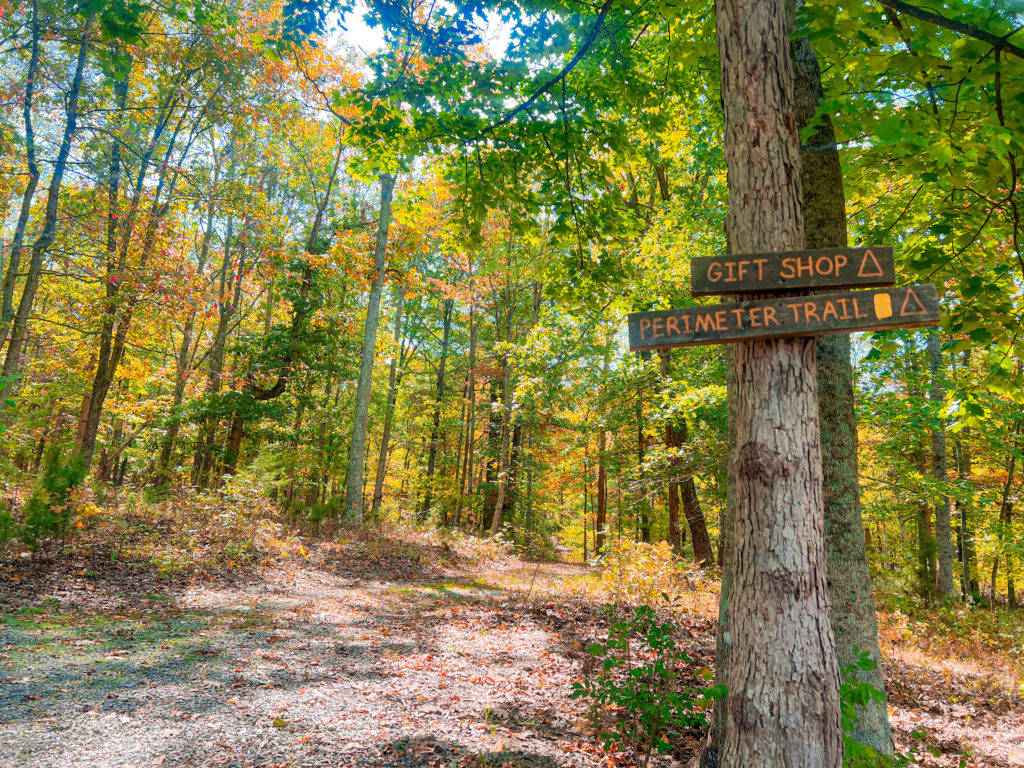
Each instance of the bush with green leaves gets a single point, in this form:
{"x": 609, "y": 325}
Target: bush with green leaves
{"x": 48, "y": 510}
{"x": 854, "y": 693}
{"x": 643, "y": 679}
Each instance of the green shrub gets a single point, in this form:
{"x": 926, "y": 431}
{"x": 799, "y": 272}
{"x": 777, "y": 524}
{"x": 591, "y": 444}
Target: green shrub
{"x": 642, "y": 680}
{"x": 48, "y": 510}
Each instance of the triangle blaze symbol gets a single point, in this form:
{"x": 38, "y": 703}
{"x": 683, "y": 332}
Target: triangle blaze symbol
{"x": 912, "y": 308}
{"x": 869, "y": 266}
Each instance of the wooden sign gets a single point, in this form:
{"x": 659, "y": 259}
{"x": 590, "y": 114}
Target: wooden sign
{"x": 903, "y": 307}
{"x": 821, "y": 268}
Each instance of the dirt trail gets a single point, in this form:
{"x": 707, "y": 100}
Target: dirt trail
{"x": 340, "y": 661}
{"x": 302, "y": 668}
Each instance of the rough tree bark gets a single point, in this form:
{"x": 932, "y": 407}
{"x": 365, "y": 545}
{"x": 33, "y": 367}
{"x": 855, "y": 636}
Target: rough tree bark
{"x": 854, "y": 622}
{"x": 357, "y": 446}
{"x": 783, "y": 702}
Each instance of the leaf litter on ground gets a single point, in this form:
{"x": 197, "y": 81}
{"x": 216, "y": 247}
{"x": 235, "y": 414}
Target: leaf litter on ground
{"x": 371, "y": 651}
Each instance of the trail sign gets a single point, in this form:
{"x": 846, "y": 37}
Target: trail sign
{"x": 902, "y": 307}
{"x": 821, "y": 268}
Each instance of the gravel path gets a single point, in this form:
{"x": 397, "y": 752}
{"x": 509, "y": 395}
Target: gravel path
{"x": 303, "y": 668}
{"x": 348, "y": 660}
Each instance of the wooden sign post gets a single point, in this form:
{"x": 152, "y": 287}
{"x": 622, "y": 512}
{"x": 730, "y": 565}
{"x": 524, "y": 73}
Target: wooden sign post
{"x": 822, "y": 268}
{"x": 910, "y": 306}
{"x": 904, "y": 307}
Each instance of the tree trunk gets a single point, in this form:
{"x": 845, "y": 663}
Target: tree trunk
{"x": 672, "y": 444}
{"x": 854, "y": 622}
{"x": 703, "y": 554}
{"x": 968, "y": 556}
{"x": 926, "y": 570}
{"x": 19, "y": 332}
{"x": 14, "y": 261}
{"x": 645, "y": 517}
{"x": 1005, "y": 518}
{"x": 389, "y": 412}
{"x": 944, "y": 550}
{"x": 505, "y": 430}
{"x": 489, "y": 467}
{"x": 783, "y": 702}
{"x": 601, "y": 520}
{"x": 683, "y": 488}
{"x": 228, "y": 301}
{"x": 234, "y": 446}
{"x": 117, "y": 320}
{"x": 108, "y": 466}
{"x": 602, "y": 460}
{"x": 185, "y": 350}
{"x": 357, "y": 446}
{"x": 435, "y": 429}
{"x": 467, "y": 473}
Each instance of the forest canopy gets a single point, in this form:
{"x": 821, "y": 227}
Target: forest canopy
{"x": 334, "y": 264}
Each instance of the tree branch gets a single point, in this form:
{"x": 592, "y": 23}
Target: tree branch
{"x": 999, "y": 43}
{"x": 589, "y": 41}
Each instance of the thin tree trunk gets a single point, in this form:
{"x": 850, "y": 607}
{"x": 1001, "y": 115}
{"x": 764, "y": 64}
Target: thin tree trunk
{"x": 460, "y": 464}
{"x": 117, "y": 321}
{"x": 14, "y": 261}
{"x": 645, "y": 515}
{"x": 601, "y": 519}
{"x": 1005, "y": 518}
{"x": 185, "y": 350}
{"x": 703, "y": 553}
{"x": 783, "y": 679}
{"x": 586, "y": 520}
{"x": 673, "y": 443}
{"x": 969, "y": 557}
{"x": 435, "y": 429}
{"x": 389, "y": 412}
{"x": 467, "y": 473}
{"x": 357, "y": 445}
{"x": 944, "y": 549}
{"x": 506, "y": 429}
{"x": 853, "y": 618}
{"x": 602, "y": 458}
{"x": 19, "y": 332}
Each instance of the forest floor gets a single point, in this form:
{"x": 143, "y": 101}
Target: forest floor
{"x": 372, "y": 652}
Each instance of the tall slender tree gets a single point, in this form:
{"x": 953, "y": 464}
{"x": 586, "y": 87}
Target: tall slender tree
{"x": 360, "y": 420}
{"x": 849, "y": 579}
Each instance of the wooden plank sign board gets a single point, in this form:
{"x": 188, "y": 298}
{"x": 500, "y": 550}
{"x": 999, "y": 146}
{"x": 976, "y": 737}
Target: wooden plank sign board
{"x": 903, "y": 307}
{"x": 820, "y": 268}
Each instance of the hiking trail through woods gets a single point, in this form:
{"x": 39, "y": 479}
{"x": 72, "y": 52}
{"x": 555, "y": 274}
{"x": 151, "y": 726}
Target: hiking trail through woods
{"x": 356, "y": 656}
